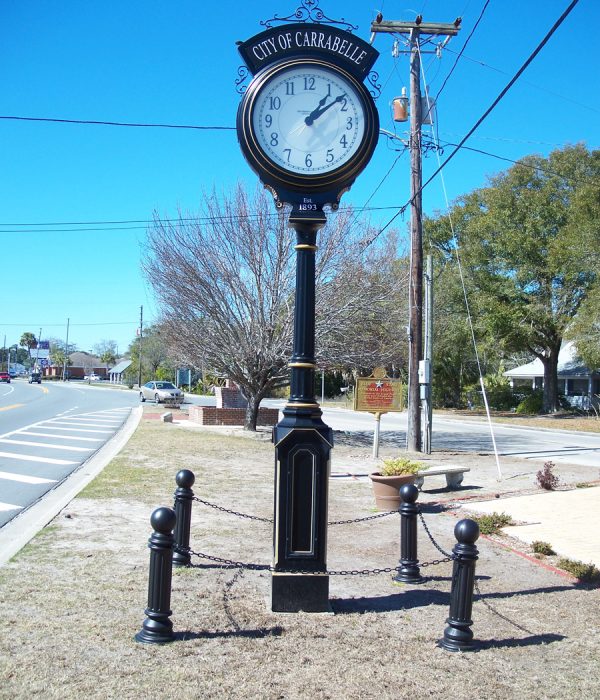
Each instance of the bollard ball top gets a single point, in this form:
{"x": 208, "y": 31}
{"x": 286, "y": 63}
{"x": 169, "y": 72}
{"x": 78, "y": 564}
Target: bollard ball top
{"x": 163, "y": 520}
{"x": 185, "y": 479}
{"x": 409, "y": 493}
{"x": 466, "y": 531}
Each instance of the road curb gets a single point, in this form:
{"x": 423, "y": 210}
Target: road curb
{"x": 25, "y": 526}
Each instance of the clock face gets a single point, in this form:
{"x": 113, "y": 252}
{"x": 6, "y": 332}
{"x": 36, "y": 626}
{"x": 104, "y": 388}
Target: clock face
{"x": 308, "y": 119}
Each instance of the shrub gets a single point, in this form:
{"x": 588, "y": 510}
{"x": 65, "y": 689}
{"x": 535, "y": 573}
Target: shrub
{"x": 396, "y": 466}
{"x": 587, "y": 573}
{"x": 546, "y": 478}
{"x": 540, "y": 547}
{"x": 532, "y": 403}
{"x": 491, "y": 524}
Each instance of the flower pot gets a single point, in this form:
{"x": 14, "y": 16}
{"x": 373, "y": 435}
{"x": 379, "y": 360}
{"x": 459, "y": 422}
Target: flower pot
{"x": 386, "y": 489}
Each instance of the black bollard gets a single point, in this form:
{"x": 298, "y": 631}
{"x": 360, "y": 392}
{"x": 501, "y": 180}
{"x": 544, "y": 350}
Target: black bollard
{"x": 157, "y": 628}
{"x": 184, "y": 497}
{"x": 409, "y": 563}
{"x": 458, "y": 635}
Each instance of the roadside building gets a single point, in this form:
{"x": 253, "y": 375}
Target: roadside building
{"x": 577, "y": 383}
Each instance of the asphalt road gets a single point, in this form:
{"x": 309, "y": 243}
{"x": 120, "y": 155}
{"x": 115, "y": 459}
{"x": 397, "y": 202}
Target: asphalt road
{"x": 48, "y": 431}
{"x": 470, "y": 435}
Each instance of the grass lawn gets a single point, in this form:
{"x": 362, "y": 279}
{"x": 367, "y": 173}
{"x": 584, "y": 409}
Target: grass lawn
{"x": 72, "y": 600}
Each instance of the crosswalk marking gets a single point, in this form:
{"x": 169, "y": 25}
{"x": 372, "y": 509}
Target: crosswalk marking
{"x": 96, "y": 421}
{"x": 31, "y": 458}
{"x": 60, "y": 437}
{"x": 91, "y": 425}
{"x": 9, "y": 506}
{"x": 31, "y": 443}
{"x": 24, "y": 479}
{"x": 76, "y": 430}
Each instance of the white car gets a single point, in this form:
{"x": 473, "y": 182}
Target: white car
{"x": 92, "y": 377}
{"x": 161, "y": 391}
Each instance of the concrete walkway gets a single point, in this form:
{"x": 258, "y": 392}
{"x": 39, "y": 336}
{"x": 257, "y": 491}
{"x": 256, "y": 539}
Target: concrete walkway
{"x": 568, "y": 520}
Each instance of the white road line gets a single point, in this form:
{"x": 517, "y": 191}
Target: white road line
{"x": 112, "y": 421}
{"x": 9, "y": 506}
{"x": 74, "y": 430}
{"x": 91, "y": 425}
{"x": 60, "y": 437}
{"x": 31, "y": 443}
{"x": 31, "y": 458}
{"x": 24, "y": 479}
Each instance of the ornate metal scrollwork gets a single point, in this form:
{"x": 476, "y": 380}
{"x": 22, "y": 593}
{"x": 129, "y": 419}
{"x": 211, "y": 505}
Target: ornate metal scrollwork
{"x": 309, "y": 11}
{"x": 375, "y": 88}
{"x": 243, "y": 73}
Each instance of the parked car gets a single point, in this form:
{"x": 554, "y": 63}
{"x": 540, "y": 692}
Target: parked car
{"x": 12, "y": 373}
{"x": 92, "y": 377}
{"x": 35, "y": 378}
{"x": 161, "y": 391}
{"x": 5, "y": 377}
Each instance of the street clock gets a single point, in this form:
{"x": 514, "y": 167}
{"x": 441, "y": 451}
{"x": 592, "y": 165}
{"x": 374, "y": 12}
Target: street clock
{"x": 307, "y": 125}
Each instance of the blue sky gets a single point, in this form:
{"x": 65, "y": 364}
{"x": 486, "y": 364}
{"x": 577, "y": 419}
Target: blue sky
{"x": 176, "y": 63}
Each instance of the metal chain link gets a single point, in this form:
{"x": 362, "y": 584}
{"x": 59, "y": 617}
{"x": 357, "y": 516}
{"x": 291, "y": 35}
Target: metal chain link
{"x": 270, "y": 520}
{"x": 233, "y": 512}
{"x": 231, "y": 563}
{"x": 449, "y": 557}
{"x": 362, "y": 520}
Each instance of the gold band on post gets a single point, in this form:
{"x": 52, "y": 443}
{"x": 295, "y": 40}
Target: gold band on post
{"x": 305, "y": 246}
{"x": 309, "y": 365}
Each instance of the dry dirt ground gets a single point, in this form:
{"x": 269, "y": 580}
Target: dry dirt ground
{"x": 72, "y": 600}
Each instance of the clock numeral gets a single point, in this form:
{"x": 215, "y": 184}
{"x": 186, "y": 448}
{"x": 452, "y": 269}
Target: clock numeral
{"x": 289, "y": 153}
{"x": 329, "y": 157}
{"x": 268, "y": 120}
{"x": 274, "y": 102}
{"x": 344, "y": 141}
{"x": 308, "y": 160}
{"x": 289, "y": 88}
{"x": 309, "y": 82}
{"x": 349, "y": 124}
{"x": 328, "y": 90}
{"x": 344, "y": 107}
{"x": 274, "y": 139}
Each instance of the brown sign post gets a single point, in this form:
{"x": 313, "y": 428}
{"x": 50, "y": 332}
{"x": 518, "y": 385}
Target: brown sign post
{"x": 378, "y": 394}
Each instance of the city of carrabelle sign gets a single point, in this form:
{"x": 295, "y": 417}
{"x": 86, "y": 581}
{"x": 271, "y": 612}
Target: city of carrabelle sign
{"x": 378, "y": 393}
{"x": 291, "y": 40}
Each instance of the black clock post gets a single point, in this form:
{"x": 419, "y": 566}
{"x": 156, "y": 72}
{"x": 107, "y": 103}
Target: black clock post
{"x": 302, "y": 450}
{"x": 307, "y": 126}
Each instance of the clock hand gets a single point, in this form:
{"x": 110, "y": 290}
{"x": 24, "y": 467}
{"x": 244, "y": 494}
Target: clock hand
{"x": 316, "y": 113}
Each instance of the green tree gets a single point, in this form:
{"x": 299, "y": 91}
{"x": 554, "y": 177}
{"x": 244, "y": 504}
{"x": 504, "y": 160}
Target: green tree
{"x": 28, "y": 341}
{"x": 527, "y": 263}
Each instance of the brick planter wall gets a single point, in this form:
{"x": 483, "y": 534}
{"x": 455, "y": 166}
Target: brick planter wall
{"x": 210, "y": 415}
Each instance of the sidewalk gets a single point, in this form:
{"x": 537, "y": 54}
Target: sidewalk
{"x": 568, "y": 520}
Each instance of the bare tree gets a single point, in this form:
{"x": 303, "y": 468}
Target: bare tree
{"x": 225, "y": 284}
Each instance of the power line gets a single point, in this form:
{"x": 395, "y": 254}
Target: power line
{"x": 487, "y": 112}
{"x": 464, "y": 46}
{"x": 96, "y": 122}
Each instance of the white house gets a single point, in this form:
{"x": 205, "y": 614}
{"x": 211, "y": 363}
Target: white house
{"x": 579, "y": 384}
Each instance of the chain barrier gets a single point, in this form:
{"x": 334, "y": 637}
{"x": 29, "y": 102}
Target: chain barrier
{"x": 233, "y": 512}
{"x": 270, "y": 520}
{"x": 233, "y": 564}
{"x": 449, "y": 557}
{"x": 493, "y": 610}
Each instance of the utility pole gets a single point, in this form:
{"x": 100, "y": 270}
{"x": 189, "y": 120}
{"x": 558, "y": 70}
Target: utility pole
{"x": 140, "y": 357}
{"x": 415, "y": 328}
{"x": 66, "y": 353}
{"x": 428, "y": 354}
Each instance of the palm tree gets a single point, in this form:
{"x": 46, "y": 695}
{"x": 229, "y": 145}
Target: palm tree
{"x": 28, "y": 341}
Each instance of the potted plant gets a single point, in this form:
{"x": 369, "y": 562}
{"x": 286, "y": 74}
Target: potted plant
{"x": 394, "y": 473}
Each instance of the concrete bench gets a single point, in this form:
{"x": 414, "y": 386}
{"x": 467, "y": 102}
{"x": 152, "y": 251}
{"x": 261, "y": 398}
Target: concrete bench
{"x": 454, "y": 475}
